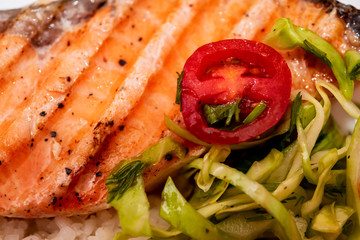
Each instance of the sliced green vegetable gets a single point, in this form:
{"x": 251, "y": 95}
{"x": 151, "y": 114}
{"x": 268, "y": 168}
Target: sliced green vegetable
{"x": 217, "y": 153}
{"x": 305, "y": 156}
{"x": 312, "y": 131}
{"x": 184, "y": 133}
{"x": 281, "y": 172}
{"x": 352, "y": 59}
{"x": 285, "y": 36}
{"x": 325, "y": 165}
{"x": 217, "y": 113}
{"x": 353, "y": 180}
{"x": 295, "y": 109}
{"x": 261, "y": 170}
{"x": 155, "y": 153}
{"x": 347, "y": 105}
{"x": 255, "y": 113}
{"x": 133, "y": 211}
{"x": 257, "y": 192}
{"x": 200, "y": 198}
{"x": 179, "y": 89}
{"x": 126, "y": 191}
{"x": 179, "y": 213}
{"x": 242, "y": 228}
{"x": 331, "y": 137}
{"x": 331, "y": 219}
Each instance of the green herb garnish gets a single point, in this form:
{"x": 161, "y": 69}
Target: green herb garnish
{"x": 178, "y": 89}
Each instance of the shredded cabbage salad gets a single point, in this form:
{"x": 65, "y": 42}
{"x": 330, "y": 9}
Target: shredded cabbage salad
{"x": 299, "y": 182}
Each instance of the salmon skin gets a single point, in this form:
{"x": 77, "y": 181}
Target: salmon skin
{"x": 88, "y": 84}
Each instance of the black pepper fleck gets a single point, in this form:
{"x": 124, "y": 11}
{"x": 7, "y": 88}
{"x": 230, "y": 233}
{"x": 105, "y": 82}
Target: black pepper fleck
{"x": 53, "y": 200}
{"x": 76, "y": 194}
{"x": 97, "y": 163}
{"x": 32, "y": 144}
{"x": 60, "y": 105}
{"x": 43, "y": 114}
{"x": 68, "y": 171}
{"x": 98, "y": 174}
{"x": 53, "y": 134}
{"x": 46, "y": 139}
{"x": 140, "y": 39}
{"x": 69, "y": 151}
{"x": 79, "y": 199}
{"x": 168, "y": 157}
{"x": 121, "y": 127}
{"x": 68, "y": 78}
{"x": 122, "y": 62}
{"x": 41, "y": 178}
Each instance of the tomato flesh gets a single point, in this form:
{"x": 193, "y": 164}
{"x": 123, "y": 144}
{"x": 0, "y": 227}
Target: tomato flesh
{"x": 225, "y": 71}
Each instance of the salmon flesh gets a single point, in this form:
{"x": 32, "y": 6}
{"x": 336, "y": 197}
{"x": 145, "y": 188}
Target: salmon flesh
{"x": 85, "y": 84}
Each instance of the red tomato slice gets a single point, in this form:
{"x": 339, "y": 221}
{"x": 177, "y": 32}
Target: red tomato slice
{"x": 226, "y": 71}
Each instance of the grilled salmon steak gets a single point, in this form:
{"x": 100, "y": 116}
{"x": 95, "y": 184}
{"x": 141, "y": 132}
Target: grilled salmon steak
{"x": 85, "y": 84}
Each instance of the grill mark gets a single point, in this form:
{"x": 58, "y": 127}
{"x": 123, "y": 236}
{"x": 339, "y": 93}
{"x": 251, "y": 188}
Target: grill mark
{"x": 55, "y": 88}
{"x": 254, "y": 20}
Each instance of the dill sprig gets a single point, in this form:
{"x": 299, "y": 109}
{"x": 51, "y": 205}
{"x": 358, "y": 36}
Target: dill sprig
{"x": 120, "y": 181}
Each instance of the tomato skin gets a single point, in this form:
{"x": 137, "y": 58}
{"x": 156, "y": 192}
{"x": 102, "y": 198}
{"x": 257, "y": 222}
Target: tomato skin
{"x": 274, "y": 89}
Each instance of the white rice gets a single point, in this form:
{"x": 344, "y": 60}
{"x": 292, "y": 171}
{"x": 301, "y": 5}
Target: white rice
{"x": 102, "y": 225}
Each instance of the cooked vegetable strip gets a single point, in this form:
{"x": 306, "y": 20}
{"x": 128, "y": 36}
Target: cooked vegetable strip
{"x": 353, "y": 179}
{"x": 281, "y": 172}
{"x": 255, "y": 113}
{"x": 295, "y": 109}
{"x": 184, "y": 133}
{"x": 286, "y": 36}
{"x": 133, "y": 210}
{"x": 312, "y": 130}
{"x": 347, "y": 105}
{"x": 126, "y": 190}
{"x": 331, "y": 219}
{"x": 178, "y": 90}
{"x": 327, "y": 162}
{"x": 352, "y": 59}
{"x": 211, "y": 209}
{"x": 179, "y": 213}
{"x": 257, "y": 192}
{"x": 217, "y": 153}
{"x": 200, "y": 198}
{"x": 260, "y": 171}
{"x": 305, "y": 155}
